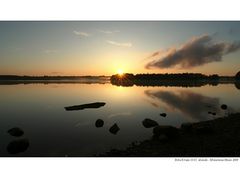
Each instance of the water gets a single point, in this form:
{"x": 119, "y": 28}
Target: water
{"x": 38, "y": 109}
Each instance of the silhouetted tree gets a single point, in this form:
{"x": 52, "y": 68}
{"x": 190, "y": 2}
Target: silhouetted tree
{"x": 238, "y": 76}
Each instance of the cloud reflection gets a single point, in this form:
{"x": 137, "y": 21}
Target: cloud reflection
{"x": 193, "y": 105}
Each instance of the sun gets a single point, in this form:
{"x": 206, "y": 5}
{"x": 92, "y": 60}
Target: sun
{"x": 120, "y": 72}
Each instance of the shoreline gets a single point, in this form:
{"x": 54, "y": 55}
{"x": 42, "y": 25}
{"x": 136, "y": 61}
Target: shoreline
{"x": 214, "y": 138}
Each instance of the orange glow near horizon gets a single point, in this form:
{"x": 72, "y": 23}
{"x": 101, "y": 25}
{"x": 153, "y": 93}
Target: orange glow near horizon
{"x": 111, "y": 69}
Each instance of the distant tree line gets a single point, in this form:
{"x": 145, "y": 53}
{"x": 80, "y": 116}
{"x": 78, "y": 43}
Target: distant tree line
{"x": 181, "y": 76}
{"x": 181, "y": 79}
{"x": 17, "y": 77}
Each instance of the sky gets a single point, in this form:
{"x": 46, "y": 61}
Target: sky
{"x": 106, "y": 47}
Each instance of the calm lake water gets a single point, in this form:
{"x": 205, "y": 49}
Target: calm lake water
{"x": 52, "y": 131}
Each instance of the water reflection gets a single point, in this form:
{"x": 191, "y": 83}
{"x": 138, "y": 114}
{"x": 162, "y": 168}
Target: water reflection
{"x": 195, "y": 106}
{"x": 16, "y": 132}
{"x": 18, "y": 146}
{"x": 37, "y": 107}
{"x": 237, "y": 85}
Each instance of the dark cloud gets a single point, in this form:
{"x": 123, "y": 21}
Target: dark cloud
{"x": 196, "y": 52}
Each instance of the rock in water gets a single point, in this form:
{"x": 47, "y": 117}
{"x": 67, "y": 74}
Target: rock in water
{"x": 114, "y": 129}
{"x": 214, "y": 114}
{"x": 163, "y": 114}
{"x": 99, "y": 123}
{"x": 148, "y": 123}
{"x": 169, "y": 131}
{"x": 16, "y": 132}
{"x": 85, "y": 106}
{"x": 18, "y": 146}
{"x": 224, "y": 106}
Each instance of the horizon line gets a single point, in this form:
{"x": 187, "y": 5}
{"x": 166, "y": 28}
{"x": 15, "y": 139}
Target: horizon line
{"x": 108, "y": 75}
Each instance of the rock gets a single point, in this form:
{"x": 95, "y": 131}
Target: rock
{"x": 18, "y": 146}
{"x": 209, "y": 112}
{"x": 16, "y": 132}
{"x": 223, "y": 106}
{"x": 99, "y": 123}
{"x": 148, "y": 123}
{"x": 114, "y": 129}
{"x": 187, "y": 127}
{"x": 203, "y": 128}
{"x": 163, "y": 114}
{"x": 85, "y": 106}
{"x": 169, "y": 131}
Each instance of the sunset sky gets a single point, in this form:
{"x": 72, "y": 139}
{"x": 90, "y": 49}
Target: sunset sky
{"x": 104, "y": 48}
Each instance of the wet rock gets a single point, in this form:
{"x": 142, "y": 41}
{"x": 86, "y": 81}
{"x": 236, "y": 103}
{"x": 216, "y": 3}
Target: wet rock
{"x": 223, "y": 106}
{"x": 18, "y": 146}
{"x": 114, "y": 129}
{"x": 169, "y": 131}
{"x": 203, "y": 128}
{"x": 163, "y": 114}
{"x": 16, "y": 132}
{"x": 148, "y": 123}
{"x": 99, "y": 123}
{"x": 187, "y": 127}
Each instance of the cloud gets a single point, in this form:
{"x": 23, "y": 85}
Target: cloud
{"x": 195, "y": 52}
{"x": 108, "y": 31}
{"x": 127, "y": 44}
{"x": 80, "y": 33}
